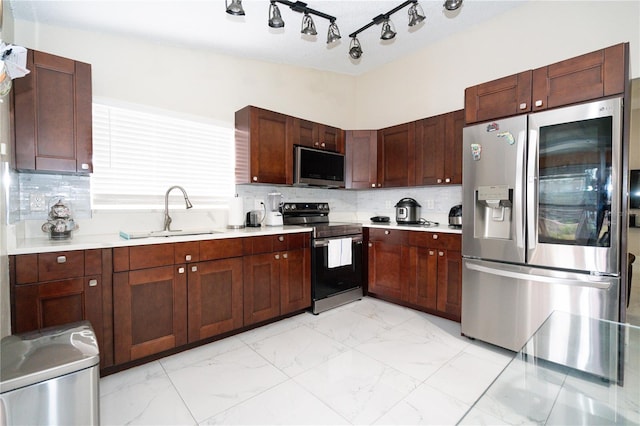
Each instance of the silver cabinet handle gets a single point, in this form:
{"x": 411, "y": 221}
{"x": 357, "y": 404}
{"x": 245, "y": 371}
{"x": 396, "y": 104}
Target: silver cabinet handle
{"x": 84, "y": 166}
{"x": 387, "y": 232}
{"x": 322, "y": 144}
{"x": 281, "y": 238}
{"x": 181, "y": 270}
{"x": 373, "y": 185}
{"x": 62, "y": 259}
{"x": 370, "y": 244}
{"x": 539, "y": 103}
{"x": 187, "y": 258}
{"x": 435, "y": 236}
{"x": 439, "y": 180}
{"x": 255, "y": 178}
{"x": 277, "y": 256}
{"x": 93, "y": 283}
{"x": 285, "y": 256}
{"x": 194, "y": 269}
{"x": 523, "y": 105}
{"x": 447, "y": 180}
{"x": 431, "y": 252}
{"x": 440, "y": 253}
{"x": 379, "y": 185}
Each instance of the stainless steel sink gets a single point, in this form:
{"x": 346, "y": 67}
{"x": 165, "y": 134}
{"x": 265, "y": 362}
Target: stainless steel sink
{"x": 136, "y": 235}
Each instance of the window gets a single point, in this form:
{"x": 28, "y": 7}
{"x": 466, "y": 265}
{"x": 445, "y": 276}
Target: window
{"x": 138, "y": 155}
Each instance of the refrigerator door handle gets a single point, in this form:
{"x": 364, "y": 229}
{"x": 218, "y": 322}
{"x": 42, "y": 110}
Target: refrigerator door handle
{"x": 532, "y": 191}
{"x": 519, "y": 190}
{"x": 587, "y": 280}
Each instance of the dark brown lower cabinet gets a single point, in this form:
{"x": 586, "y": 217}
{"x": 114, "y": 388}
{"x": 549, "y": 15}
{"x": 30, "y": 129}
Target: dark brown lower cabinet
{"x": 150, "y": 311}
{"x": 388, "y": 257}
{"x": 295, "y": 281}
{"x": 261, "y": 287}
{"x": 214, "y": 297}
{"x": 450, "y": 283}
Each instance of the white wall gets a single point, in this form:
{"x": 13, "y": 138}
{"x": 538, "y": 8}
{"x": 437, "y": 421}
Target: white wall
{"x": 432, "y": 81}
{"x": 195, "y": 82}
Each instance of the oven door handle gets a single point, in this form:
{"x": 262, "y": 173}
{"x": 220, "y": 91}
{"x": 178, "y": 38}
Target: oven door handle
{"x": 324, "y": 242}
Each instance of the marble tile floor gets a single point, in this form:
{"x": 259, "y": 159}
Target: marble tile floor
{"x": 368, "y": 362}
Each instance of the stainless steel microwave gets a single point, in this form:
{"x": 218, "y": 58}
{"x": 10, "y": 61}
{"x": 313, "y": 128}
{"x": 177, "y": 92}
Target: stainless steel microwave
{"x": 316, "y": 167}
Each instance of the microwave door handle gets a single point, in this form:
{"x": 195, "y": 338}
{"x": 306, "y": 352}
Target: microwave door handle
{"x": 532, "y": 190}
{"x": 519, "y": 189}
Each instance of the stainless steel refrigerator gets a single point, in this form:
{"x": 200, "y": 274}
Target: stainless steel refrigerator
{"x": 541, "y": 220}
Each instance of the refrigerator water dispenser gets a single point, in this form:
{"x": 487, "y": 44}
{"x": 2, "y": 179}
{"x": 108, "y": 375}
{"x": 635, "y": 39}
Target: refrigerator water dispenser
{"x": 493, "y": 212}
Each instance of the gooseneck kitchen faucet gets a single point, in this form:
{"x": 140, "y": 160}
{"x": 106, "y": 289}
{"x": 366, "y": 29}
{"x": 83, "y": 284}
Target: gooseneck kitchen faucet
{"x": 167, "y": 218}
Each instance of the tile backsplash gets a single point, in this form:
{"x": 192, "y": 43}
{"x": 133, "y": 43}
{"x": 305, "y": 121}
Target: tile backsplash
{"x": 75, "y": 190}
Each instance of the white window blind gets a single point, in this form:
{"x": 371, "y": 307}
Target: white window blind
{"x": 138, "y": 155}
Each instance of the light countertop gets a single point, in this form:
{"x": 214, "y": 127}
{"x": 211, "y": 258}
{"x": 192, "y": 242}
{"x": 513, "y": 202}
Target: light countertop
{"x": 87, "y": 242}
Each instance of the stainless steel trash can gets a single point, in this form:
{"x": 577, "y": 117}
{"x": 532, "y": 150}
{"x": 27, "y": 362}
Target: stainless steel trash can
{"x": 50, "y": 377}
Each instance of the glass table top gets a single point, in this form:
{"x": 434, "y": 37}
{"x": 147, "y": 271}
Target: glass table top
{"x": 573, "y": 371}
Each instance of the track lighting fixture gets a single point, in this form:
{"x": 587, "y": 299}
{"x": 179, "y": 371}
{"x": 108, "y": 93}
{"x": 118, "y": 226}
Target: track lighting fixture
{"x": 416, "y": 15}
{"x": 334, "y": 33}
{"x": 275, "y": 19}
{"x": 452, "y": 4}
{"x": 388, "y": 30}
{"x": 355, "y": 51}
{"x": 308, "y": 27}
{"x": 235, "y": 8}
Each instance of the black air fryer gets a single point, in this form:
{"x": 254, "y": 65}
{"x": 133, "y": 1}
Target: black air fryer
{"x": 455, "y": 216}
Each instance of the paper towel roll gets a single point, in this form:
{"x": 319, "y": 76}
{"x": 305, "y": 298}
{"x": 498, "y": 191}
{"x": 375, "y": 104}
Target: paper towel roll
{"x": 236, "y": 213}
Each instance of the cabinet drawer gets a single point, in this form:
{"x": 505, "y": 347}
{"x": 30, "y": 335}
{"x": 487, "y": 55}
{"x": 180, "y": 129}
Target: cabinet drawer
{"x": 187, "y": 252}
{"x": 392, "y": 236}
{"x": 437, "y": 240}
{"x": 49, "y": 266}
{"x": 141, "y": 257}
{"x": 220, "y": 249}
{"x": 265, "y": 244}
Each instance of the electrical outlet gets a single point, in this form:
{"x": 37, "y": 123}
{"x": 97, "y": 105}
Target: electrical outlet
{"x": 257, "y": 203}
{"x": 37, "y": 202}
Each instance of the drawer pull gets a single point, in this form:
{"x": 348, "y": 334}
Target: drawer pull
{"x": 387, "y": 232}
{"x": 435, "y": 236}
{"x": 370, "y": 244}
{"x": 62, "y": 259}
{"x": 181, "y": 270}
{"x": 538, "y": 103}
{"x": 281, "y": 238}
{"x": 194, "y": 269}
{"x": 277, "y": 256}
{"x": 93, "y": 283}
{"x": 440, "y": 253}
{"x": 447, "y": 180}
{"x": 285, "y": 256}
{"x": 431, "y": 252}
{"x": 84, "y": 166}
{"x": 187, "y": 258}
{"x": 523, "y": 105}
{"x": 439, "y": 180}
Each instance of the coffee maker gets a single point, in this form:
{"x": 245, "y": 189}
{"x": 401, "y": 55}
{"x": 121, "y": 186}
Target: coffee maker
{"x": 273, "y": 215}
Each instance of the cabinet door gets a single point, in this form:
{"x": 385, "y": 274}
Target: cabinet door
{"x": 261, "y": 287}
{"x": 450, "y": 283}
{"x": 263, "y": 147}
{"x": 361, "y": 161}
{"x": 590, "y": 76}
{"x": 295, "y": 279}
{"x": 498, "y": 98}
{"x": 396, "y": 149}
{"x": 388, "y": 266}
{"x": 305, "y": 133}
{"x": 424, "y": 280}
{"x": 150, "y": 311}
{"x": 453, "y": 147}
{"x": 430, "y": 150}
{"x": 331, "y": 138}
{"x": 214, "y": 298}
{"x": 58, "y": 302}
{"x": 53, "y": 115}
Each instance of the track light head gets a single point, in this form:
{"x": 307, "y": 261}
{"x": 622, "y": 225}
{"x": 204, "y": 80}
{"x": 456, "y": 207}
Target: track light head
{"x": 355, "y": 51}
{"x": 416, "y": 15}
{"x": 388, "y": 31}
{"x": 275, "y": 19}
{"x": 308, "y": 27}
{"x": 452, "y": 4}
{"x": 333, "y": 34}
{"x": 235, "y": 8}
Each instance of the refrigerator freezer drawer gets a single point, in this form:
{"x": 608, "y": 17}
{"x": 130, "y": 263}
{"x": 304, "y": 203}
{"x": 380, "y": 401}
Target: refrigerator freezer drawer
{"x": 505, "y": 304}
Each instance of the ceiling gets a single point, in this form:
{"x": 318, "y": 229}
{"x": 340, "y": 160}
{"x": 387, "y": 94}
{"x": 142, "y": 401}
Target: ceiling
{"x": 203, "y": 24}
